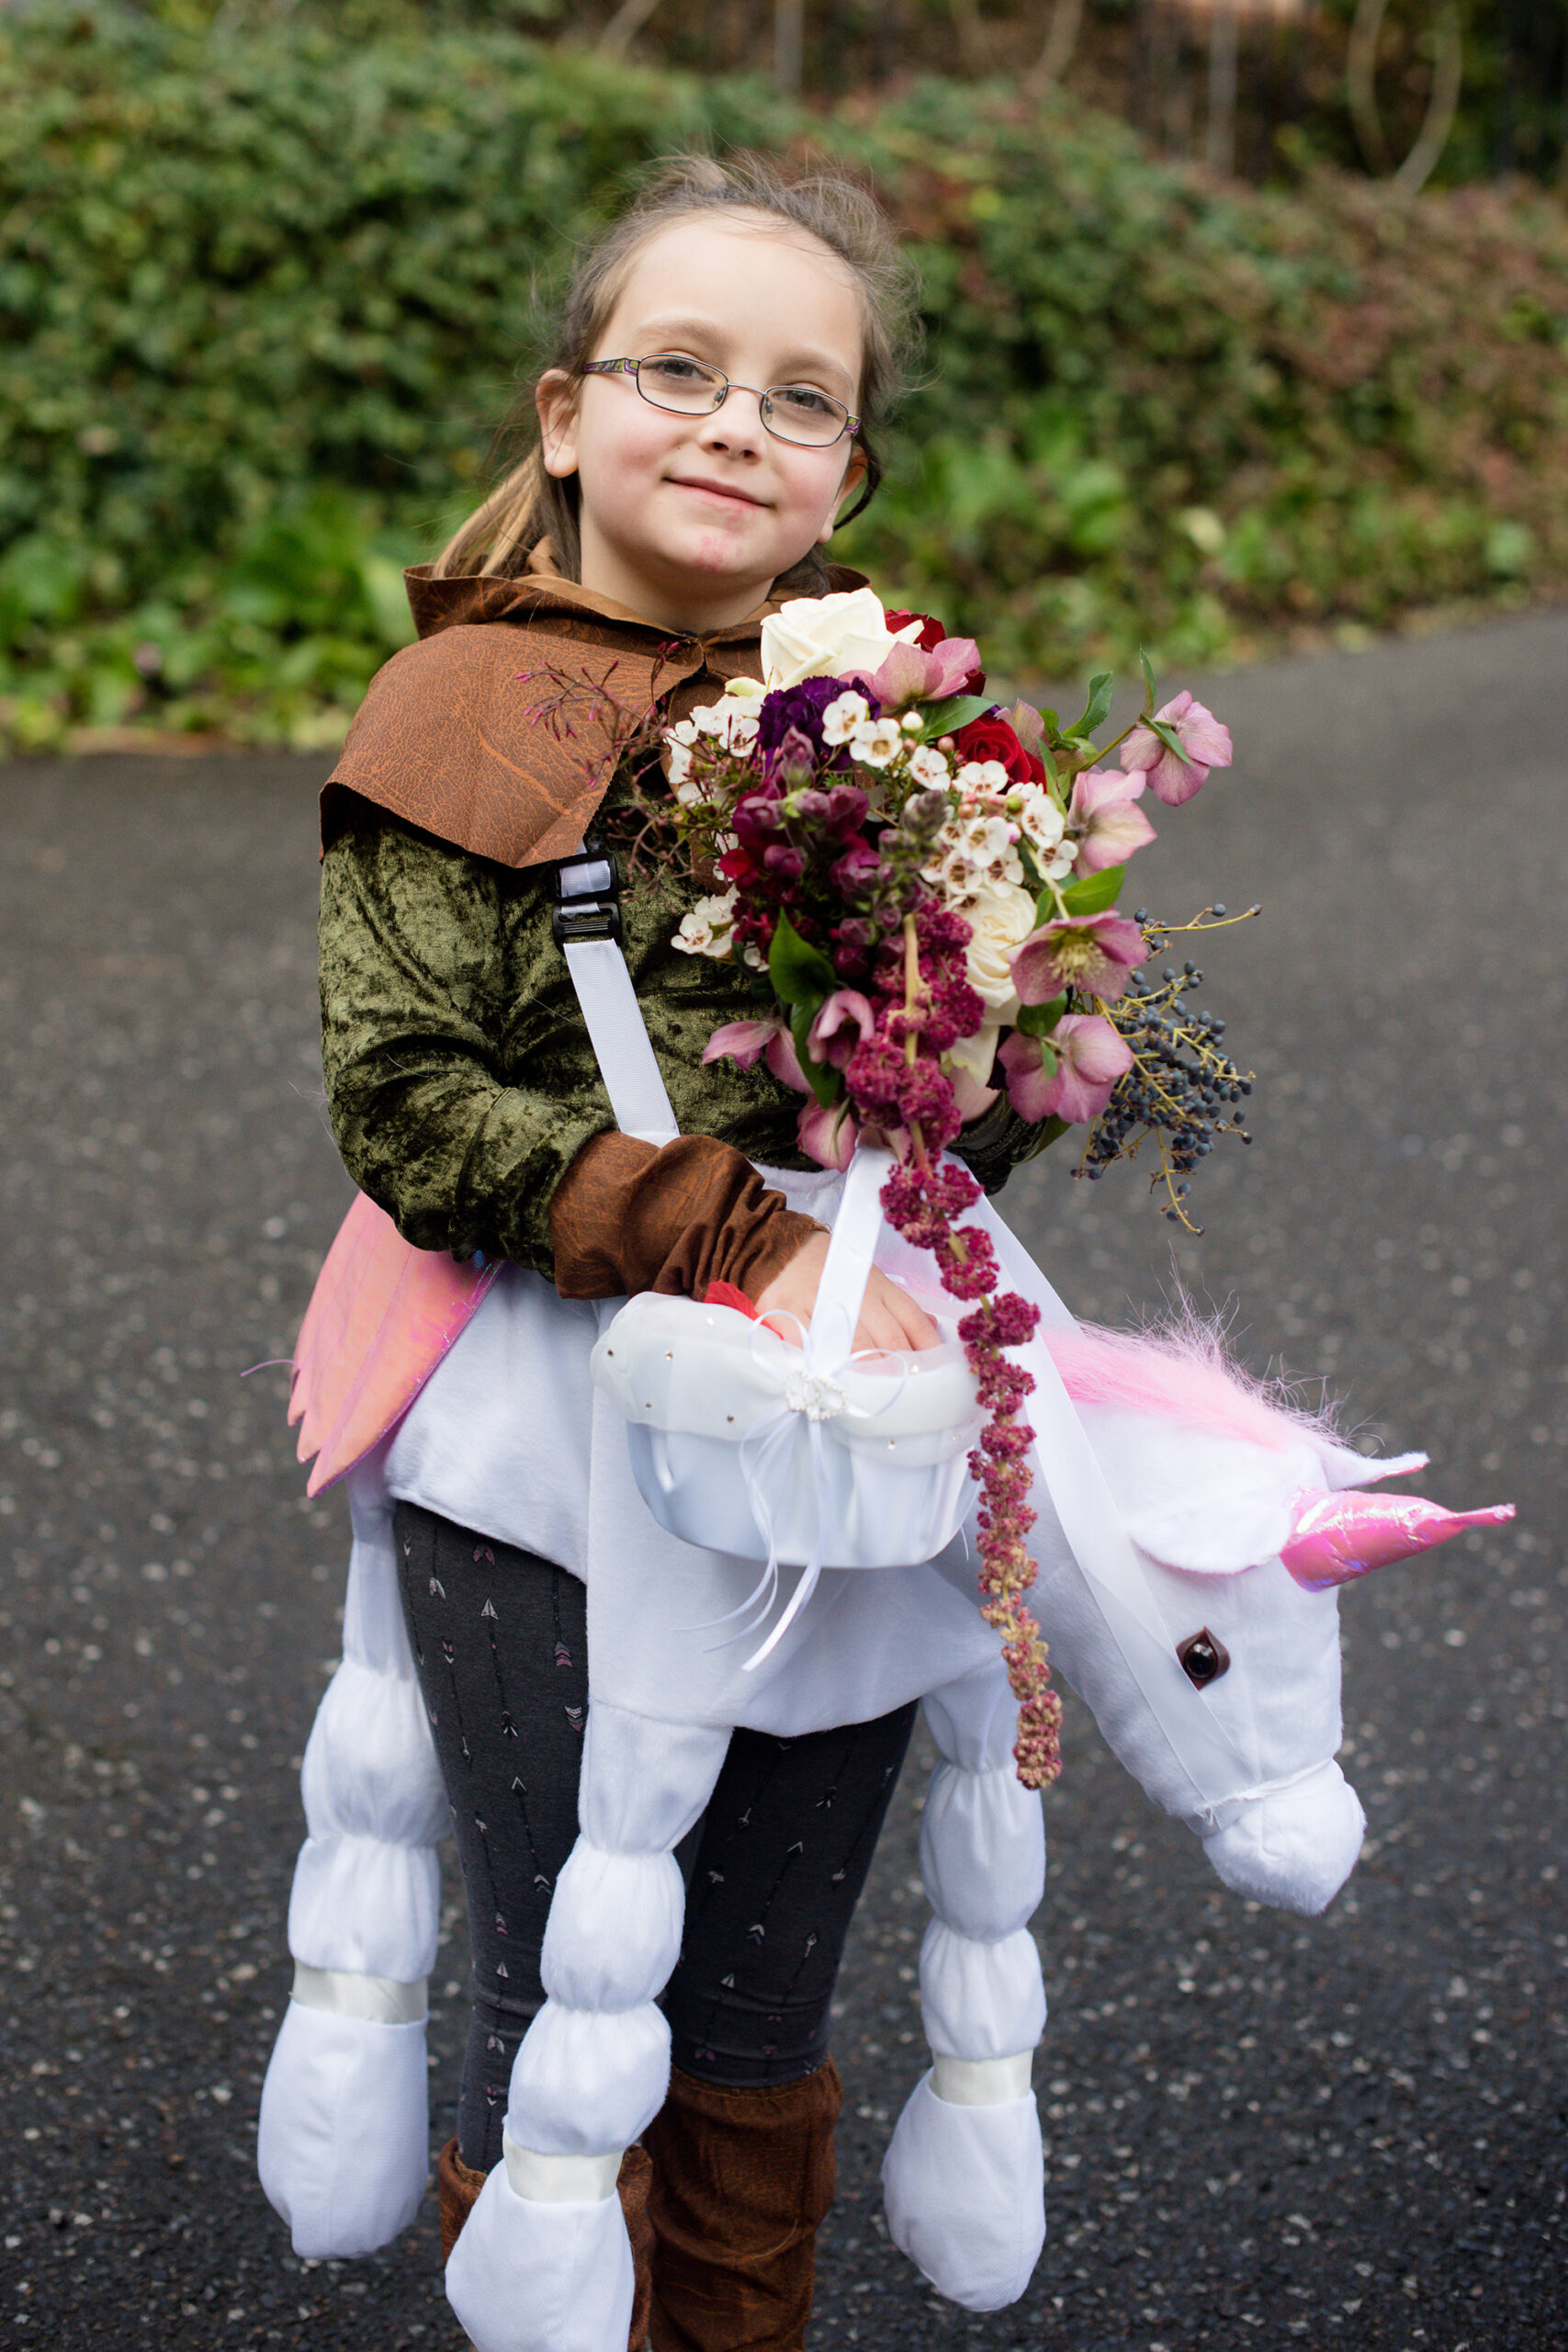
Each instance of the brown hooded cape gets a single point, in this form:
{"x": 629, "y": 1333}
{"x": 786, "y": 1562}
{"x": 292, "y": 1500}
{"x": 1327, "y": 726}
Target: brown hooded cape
{"x": 495, "y": 732}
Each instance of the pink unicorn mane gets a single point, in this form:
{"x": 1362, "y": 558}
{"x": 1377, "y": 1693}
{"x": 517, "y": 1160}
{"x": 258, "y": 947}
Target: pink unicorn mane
{"x": 1181, "y": 1373}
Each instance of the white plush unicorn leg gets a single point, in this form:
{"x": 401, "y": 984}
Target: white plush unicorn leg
{"x": 964, "y": 2175}
{"x": 543, "y": 2263}
{"x": 343, "y": 2142}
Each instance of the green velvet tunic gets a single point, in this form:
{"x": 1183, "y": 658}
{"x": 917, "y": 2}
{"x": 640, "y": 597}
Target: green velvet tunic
{"x": 460, "y": 1080}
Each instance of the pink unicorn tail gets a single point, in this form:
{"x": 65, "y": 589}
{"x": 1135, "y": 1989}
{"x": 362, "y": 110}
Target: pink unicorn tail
{"x": 1338, "y": 1537}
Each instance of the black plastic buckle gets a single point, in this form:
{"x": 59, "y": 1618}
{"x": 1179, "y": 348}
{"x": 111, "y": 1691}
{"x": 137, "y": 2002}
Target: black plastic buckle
{"x": 588, "y": 893}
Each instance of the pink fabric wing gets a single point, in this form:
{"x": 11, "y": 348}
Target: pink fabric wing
{"x": 382, "y": 1316}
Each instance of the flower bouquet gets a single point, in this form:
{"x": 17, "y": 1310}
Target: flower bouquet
{"x": 924, "y": 886}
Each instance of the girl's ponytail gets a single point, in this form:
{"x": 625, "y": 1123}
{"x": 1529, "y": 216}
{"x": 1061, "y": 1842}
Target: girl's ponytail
{"x": 528, "y": 505}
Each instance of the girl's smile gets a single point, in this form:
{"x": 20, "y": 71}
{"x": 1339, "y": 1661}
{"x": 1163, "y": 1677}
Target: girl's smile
{"x": 689, "y": 519}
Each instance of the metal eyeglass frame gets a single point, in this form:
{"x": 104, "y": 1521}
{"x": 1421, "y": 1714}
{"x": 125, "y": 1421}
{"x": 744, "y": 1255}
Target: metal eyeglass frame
{"x": 850, "y": 425}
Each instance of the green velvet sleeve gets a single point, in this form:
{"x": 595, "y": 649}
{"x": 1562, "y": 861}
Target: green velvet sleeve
{"x": 460, "y": 1076}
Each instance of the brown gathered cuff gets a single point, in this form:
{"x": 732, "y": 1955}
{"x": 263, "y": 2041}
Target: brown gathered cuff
{"x": 630, "y": 1217}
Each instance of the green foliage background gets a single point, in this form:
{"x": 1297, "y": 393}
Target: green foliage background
{"x": 265, "y": 297}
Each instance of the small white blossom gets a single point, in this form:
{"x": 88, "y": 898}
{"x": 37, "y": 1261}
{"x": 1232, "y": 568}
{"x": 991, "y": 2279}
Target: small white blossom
{"x": 877, "y": 741}
{"x": 734, "y": 722}
{"x": 927, "y": 766}
{"x": 677, "y": 763}
{"x": 911, "y": 722}
{"x": 842, "y": 717}
{"x": 704, "y": 930}
{"x": 1041, "y": 822}
{"x": 684, "y": 732}
{"x": 974, "y": 854}
{"x": 983, "y": 775}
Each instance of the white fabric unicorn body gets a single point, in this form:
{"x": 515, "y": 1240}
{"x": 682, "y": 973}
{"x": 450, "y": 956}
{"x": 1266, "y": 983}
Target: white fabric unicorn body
{"x": 1225, "y": 1534}
{"x": 1188, "y": 1543}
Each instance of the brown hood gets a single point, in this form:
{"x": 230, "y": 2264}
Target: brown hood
{"x": 498, "y": 731}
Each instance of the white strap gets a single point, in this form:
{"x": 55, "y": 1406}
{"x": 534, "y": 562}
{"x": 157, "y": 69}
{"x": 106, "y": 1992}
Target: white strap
{"x": 559, "y": 2180}
{"x": 619, "y": 1038}
{"x": 981, "y": 2082}
{"x": 848, "y": 1268}
{"x": 382, "y": 2000}
{"x": 613, "y": 1018}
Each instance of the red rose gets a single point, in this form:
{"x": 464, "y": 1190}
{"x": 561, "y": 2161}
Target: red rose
{"x": 931, "y": 632}
{"x": 993, "y": 738}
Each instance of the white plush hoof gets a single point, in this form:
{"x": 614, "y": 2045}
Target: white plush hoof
{"x": 964, "y": 2189}
{"x": 343, "y": 2146}
{"x": 527, "y": 2276}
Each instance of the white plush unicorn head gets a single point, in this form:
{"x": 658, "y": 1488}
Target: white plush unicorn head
{"x": 1219, "y": 1685}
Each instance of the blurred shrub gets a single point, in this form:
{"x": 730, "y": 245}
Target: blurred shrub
{"x": 267, "y": 293}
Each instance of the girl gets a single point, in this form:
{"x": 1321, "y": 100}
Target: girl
{"x": 727, "y": 352}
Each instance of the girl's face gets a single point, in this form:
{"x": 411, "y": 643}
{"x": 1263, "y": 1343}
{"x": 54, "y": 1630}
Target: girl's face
{"x": 689, "y": 519}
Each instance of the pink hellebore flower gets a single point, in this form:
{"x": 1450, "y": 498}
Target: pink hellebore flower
{"x": 909, "y": 674}
{"x": 1089, "y": 1057}
{"x": 845, "y": 1020}
{"x": 1205, "y": 742}
{"x": 827, "y": 1136}
{"x": 742, "y": 1041}
{"x": 1104, "y": 820}
{"x": 1093, "y": 953}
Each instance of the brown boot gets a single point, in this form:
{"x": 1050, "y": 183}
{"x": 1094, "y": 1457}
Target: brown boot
{"x": 742, "y": 2179}
{"x": 460, "y": 2184}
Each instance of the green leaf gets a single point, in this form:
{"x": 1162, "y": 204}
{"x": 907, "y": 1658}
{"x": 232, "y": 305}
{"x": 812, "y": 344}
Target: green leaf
{"x": 1171, "y": 739}
{"x": 1147, "y": 668}
{"x": 1099, "y": 702}
{"x": 826, "y": 1082}
{"x": 1039, "y": 1020}
{"x": 947, "y": 718}
{"x": 1095, "y": 892}
{"x": 1046, "y": 1138}
{"x": 801, "y": 974}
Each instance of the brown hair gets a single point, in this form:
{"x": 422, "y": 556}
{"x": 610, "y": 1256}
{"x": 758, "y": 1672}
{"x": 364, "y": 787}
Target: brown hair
{"x": 527, "y": 504}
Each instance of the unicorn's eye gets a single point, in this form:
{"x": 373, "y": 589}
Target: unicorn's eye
{"x": 1204, "y": 1657}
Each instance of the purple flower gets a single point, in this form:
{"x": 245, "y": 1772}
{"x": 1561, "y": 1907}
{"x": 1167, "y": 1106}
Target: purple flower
{"x": 827, "y": 1136}
{"x": 1093, "y": 953}
{"x": 1071, "y": 1074}
{"x": 742, "y": 1041}
{"x": 909, "y": 674}
{"x": 843, "y": 1022}
{"x": 856, "y": 868}
{"x": 1104, "y": 820}
{"x": 1206, "y": 743}
{"x": 797, "y": 710}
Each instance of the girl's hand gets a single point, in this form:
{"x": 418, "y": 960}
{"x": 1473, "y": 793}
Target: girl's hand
{"x": 889, "y": 1316}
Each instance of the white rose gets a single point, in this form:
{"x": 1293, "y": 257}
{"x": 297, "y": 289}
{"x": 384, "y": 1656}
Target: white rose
{"x": 825, "y": 637}
{"x": 998, "y": 918}
{"x": 977, "y": 1055}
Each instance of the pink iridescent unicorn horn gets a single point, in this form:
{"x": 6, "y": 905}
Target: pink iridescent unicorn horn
{"x": 1341, "y": 1536}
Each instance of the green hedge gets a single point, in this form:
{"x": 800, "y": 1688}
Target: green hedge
{"x": 266, "y": 296}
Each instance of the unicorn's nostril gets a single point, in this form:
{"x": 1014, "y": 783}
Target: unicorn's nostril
{"x": 1204, "y": 1657}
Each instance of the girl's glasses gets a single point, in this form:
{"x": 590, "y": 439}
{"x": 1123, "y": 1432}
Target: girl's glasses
{"x": 797, "y": 412}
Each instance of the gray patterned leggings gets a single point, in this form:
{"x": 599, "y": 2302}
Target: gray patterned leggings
{"x": 777, "y": 1864}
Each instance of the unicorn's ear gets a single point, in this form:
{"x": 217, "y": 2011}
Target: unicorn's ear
{"x": 1343, "y": 1466}
{"x": 1211, "y": 1505}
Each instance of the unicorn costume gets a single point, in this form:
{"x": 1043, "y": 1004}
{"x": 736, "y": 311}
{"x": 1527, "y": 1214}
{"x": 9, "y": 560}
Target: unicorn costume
{"x": 468, "y": 1394}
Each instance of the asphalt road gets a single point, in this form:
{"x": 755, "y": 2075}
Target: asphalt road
{"x": 1262, "y": 2132}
